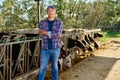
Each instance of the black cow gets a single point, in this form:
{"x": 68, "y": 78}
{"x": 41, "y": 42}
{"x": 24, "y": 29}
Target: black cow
{"x": 87, "y": 43}
{"x": 29, "y": 35}
{"x": 80, "y": 44}
{"x": 96, "y": 45}
{"x": 87, "y": 39}
{"x": 98, "y": 35}
{"x": 83, "y": 44}
{"x": 72, "y": 43}
{"x": 2, "y": 34}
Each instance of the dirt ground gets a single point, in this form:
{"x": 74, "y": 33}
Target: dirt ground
{"x": 104, "y": 64}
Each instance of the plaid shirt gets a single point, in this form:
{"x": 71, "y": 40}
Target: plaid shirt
{"x": 55, "y": 33}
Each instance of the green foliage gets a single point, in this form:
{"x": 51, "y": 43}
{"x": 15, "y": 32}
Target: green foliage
{"x": 113, "y": 34}
{"x": 16, "y": 14}
{"x": 109, "y": 35}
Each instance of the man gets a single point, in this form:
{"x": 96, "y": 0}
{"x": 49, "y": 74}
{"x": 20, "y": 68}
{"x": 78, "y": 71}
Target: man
{"x": 50, "y": 31}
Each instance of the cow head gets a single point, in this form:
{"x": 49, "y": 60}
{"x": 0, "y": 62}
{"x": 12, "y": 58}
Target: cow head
{"x": 98, "y": 35}
{"x": 67, "y": 62}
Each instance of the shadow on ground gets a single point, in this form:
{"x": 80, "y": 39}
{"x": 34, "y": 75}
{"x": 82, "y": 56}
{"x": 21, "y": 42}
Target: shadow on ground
{"x": 91, "y": 68}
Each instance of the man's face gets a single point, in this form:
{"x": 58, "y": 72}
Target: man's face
{"x": 51, "y": 13}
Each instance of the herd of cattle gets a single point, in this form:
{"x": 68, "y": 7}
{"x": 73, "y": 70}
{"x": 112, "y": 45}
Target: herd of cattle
{"x": 76, "y": 48}
{"x": 71, "y": 48}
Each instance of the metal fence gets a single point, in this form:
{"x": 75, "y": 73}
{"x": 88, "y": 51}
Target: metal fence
{"x": 19, "y": 60}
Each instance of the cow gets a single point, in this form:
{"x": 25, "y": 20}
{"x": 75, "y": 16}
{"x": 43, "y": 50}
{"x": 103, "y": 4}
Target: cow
{"x": 30, "y": 35}
{"x": 96, "y": 45}
{"x": 64, "y": 59}
{"x": 83, "y": 44}
{"x": 90, "y": 45}
{"x": 75, "y": 42}
{"x": 89, "y": 48}
{"x": 87, "y": 39}
{"x": 67, "y": 61}
{"x": 2, "y": 34}
{"x": 98, "y": 35}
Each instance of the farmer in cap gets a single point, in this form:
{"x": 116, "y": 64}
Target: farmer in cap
{"x": 50, "y": 32}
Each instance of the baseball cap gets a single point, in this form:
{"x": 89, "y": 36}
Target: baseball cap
{"x": 51, "y": 7}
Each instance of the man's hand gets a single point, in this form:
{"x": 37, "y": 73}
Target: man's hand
{"x": 60, "y": 35}
{"x": 42, "y": 32}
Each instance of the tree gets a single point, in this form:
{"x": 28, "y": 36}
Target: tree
{"x": 15, "y": 14}
{"x": 19, "y": 14}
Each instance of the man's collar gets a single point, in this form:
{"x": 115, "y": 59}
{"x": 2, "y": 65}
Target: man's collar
{"x": 48, "y": 20}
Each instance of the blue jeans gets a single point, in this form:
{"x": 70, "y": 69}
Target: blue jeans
{"x": 45, "y": 56}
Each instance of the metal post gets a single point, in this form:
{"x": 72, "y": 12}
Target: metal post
{"x": 38, "y": 12}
